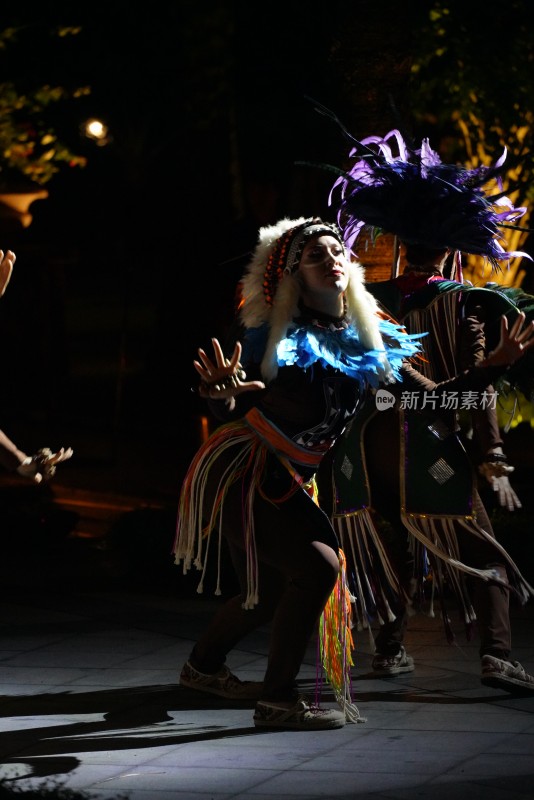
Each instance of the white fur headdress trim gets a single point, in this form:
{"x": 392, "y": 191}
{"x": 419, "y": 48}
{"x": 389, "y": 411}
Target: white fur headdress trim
{"x": 255, "y": 311}
{"x": 362, "y": 308}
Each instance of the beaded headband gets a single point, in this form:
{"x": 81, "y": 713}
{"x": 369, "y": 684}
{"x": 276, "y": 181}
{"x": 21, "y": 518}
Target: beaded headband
{"x": 274, "y": 263}
{"x": 286, "y": 252}
{"x": 270, "y": 290}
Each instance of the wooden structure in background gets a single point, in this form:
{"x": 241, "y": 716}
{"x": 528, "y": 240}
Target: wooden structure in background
{"x": 378, "y": 257}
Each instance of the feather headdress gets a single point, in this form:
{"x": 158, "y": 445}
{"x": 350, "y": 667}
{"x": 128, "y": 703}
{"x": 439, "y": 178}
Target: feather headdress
{"x": 410, "y": 193}
{"x": 270, "y": 288}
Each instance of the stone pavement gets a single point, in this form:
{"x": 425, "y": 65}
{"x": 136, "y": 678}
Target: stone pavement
{"x": 90, "y": 700}
{"x": 96, "y": 621}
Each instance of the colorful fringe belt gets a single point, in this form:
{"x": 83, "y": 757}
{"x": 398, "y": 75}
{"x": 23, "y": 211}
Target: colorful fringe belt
{"x": 252, "y": 439}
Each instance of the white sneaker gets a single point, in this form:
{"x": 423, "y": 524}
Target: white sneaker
{"x": 508, "y": 675}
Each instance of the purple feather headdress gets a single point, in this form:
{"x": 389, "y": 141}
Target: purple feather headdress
{"x": 410, "y": 193}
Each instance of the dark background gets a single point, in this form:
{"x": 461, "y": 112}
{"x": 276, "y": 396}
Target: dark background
{"x": 131, "y": 262}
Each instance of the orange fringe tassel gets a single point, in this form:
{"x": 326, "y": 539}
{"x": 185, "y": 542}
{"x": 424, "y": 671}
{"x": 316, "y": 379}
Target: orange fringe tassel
{"x": 336, "y": 643}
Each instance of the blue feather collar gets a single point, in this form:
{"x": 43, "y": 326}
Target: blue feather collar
{"x": 340, "y": 347}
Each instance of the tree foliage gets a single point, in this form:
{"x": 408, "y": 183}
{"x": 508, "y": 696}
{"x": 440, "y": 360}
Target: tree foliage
{"x": 473, "y": 84}
{"x": 30, "y": 147}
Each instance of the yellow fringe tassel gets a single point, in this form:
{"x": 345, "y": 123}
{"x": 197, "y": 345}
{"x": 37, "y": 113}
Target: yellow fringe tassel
{"x": 336, "y": 643}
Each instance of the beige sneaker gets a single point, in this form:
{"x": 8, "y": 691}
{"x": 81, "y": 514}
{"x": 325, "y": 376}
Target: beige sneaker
{"x": 393, "y": 665}
{"x": 303, "y": 716}
{"x": 223, "y": 683}
{"x": 508, "y": 675}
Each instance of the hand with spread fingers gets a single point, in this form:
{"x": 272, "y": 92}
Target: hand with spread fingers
{"x": 42, "y": 466}
{"x": 495, "y": 469}
{"x": 515, "y": 341}
{"x": 225, "y": 378}
{"x": 506, "y": 496}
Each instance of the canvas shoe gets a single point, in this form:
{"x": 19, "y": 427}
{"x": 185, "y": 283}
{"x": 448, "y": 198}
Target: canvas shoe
{"x": 393, "y": 665}
{"x": 223, "y": 683}
{"x": 303, "y": 716}
{"x": 508, "y": 675}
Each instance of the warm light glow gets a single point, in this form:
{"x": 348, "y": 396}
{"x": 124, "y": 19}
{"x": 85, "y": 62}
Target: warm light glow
{"x": 514, "y": 409}
{"x": 204, "y": 428}
{"x": 97, "y": 130}
{"x": 19, "y": 203}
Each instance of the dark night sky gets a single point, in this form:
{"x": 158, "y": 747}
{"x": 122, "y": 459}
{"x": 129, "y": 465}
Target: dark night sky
{"x": 133, "y": 260}
{"x": 131, "y": 263}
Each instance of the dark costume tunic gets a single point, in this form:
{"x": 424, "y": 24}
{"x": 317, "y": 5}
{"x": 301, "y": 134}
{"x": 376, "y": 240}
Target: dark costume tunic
{"x": 411, "y": 468}
{"x": 270, "y": 450}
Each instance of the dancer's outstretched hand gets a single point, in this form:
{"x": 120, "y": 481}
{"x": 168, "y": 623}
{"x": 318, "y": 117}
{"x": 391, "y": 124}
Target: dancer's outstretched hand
{"x": 496, "y": 474}
{"x": 223, "y": 378}
{"x": 42, "y": 466}
{"x": 515, "y": 341}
